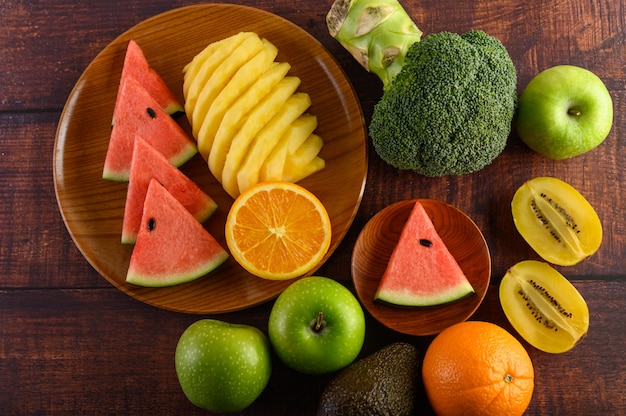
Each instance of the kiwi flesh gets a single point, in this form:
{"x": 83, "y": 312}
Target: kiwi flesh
{"x": 556, "y": 221}
{"x": 543, "y": 306}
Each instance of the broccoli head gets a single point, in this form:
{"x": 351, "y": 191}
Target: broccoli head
{"x": 449, "y": 109}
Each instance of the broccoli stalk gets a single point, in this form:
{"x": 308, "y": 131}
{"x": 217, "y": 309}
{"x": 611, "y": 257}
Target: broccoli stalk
{"x": 448, "y": 99}
{"x": 376, "y": 33}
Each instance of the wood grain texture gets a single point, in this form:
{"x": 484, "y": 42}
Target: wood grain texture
{"x": 100, "y": 352}
{"x": 376, "y": 243}
{"x": 93, "y": 208}
{"x": 71, "y": 343}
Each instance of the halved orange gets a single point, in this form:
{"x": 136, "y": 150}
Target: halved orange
{"x": 278, "y": 230}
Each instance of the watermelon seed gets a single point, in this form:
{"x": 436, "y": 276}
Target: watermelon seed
{"x": 151, "y": 224}
{"x": 425, "y": 242}
{"x": 151, "y": 112}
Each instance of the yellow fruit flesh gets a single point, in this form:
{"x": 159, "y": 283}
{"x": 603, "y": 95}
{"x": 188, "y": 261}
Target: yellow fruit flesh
{"x": 220, "y": 77}
{"x": 237, "y": 114}
{"x": 556, "y": 221}
{"x": 256, "y": 120}
{"x": 543, "y": 306}
{"x": 266, "y": 140}
{"x": 191, "y": 70}
{"x": 297, "y": 173}
{"x": 244, "y": 131}
{"x": 198, "y": 73}
{"x": 305, "y": 160}
{"x": 296, "y": 134}
{"x": 240, "y": 82}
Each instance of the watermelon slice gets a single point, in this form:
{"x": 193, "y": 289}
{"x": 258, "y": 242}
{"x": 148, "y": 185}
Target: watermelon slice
{"x": 137, "y": 113}
{"x": 147, "y": 163}
{"x": 136, "y": 65}
{"x": 172, "y": 246}
{"x": 421, "y": 270}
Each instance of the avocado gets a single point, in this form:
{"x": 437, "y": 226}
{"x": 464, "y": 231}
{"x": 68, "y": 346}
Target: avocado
{"x": 385, "y": 382}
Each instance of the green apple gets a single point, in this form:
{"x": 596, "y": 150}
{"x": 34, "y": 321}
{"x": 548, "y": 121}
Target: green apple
{"x": 564, "y": 111}
{"x": 222, "y": 367}
{"x": 316, "y": 326}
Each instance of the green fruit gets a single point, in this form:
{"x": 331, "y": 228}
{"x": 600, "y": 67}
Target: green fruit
{"x": 564, "y": 111}
{"x": 383, "y": 383}
{"x": 222, "y": 367}
{"x": 543, "y": 306}
{"x": 317, "y": 326}
{"x": 556, "y": 221}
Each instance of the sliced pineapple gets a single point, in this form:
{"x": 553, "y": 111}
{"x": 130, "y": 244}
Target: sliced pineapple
{"x": 199, "y": 71}
{"x": 266, "y": 139}
{"x": 238, "y": 113}
{"x": 247, "y": 116}
{"x": 220, "y": 77}
{"x": 305, "y": 160}
{"x": 296, "y": 134}
{"x": 254, "y": 122}
{"x": 191, "y": 70}
{"x": 295, "y": 173}
{"x": 238, "y": 84}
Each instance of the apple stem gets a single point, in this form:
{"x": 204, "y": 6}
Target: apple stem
{"x": 319, "y": 322}
{"x": 573, "y": 112}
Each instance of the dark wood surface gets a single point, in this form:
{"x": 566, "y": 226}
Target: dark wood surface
{"x": 72, "y": 343}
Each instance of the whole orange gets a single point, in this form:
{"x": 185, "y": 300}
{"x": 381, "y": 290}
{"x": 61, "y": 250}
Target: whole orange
{"x": 477, "y": 368}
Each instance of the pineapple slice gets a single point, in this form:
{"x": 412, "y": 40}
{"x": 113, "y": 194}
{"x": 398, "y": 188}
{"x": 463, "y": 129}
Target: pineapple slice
{"x": 247, "y": 116}
{"x": 200, "y": 69}
{"x": 236, "y": 115}
{"x": 267, "y": 139}
{"x": 296, "y": 134}
{"x": 220, "y": 77}
{"x": 305, "y": 160}
{"x": 294, "y": 173}
{"x": 239, "y": 83}
{"x": 265, "y": 110}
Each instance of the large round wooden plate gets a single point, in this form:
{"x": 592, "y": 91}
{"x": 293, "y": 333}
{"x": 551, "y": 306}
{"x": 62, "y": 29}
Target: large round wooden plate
{"x": 376, "y": 243}
{"x": 92, "y": 208}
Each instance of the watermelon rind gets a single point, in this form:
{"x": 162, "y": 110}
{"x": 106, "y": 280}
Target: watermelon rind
{"x": 138, "y": 278}
{"x": 137, "y": 113}
{"x": 172, "y": 247}
{"x": 405, "y": 298}
{"x": 147, "y": 164}
{"x": 422, "y": 274}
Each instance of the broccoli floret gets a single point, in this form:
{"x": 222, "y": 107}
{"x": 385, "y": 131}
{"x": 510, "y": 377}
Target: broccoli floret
{"x": 449, "y": 109}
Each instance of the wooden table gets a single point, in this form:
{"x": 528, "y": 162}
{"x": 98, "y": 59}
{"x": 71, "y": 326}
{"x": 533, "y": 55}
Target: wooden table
{"x": 70, "y": 342}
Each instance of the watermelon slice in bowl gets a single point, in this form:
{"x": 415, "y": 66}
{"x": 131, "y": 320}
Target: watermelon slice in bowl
{"x": 93, "y": 208}
{"x": 375, "y": 245}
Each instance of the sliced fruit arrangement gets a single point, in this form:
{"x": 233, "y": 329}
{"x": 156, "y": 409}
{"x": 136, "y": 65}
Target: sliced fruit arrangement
{"x": 543, "y": 306}
{"x": 147, "y": 164}
{"x": 556, "y": 221}
{"x": 247, "y": 115}
{"x": 278, "y": 230}
{"x": 144, "y": 106}
{"x": 138, "y": 113}
{"x": 136, "y": 66}
{"x": 164, "y": 209}
{"x": 421, "y": 270}
{"x": 172, "y": 246}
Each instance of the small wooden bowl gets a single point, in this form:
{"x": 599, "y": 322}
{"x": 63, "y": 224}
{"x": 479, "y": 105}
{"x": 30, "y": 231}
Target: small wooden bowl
{"x": 376, "y": 243}
{"x": 93, "y": 209}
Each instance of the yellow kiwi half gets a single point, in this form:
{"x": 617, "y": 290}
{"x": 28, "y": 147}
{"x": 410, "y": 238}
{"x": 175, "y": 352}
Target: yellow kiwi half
{"x": 543, "y": 306}
{"x": 556, "y": 221}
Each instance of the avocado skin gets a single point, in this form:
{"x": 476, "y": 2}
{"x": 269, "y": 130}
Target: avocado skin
{"x": 383, "y": 383}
